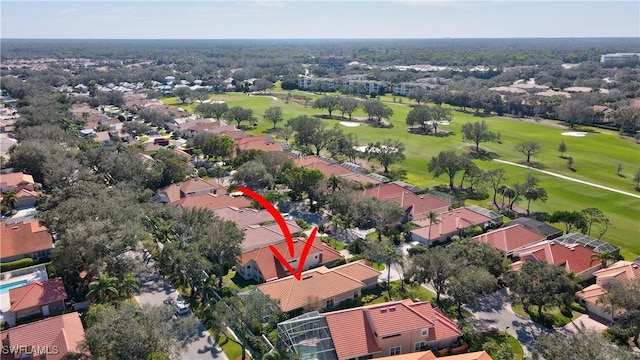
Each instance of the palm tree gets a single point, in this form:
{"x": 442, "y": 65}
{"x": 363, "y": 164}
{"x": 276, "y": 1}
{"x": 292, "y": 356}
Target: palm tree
{"x": 9, "y": 200}
{"x": 433, "y": 219}
{"x": 103, "y": 289}
{"x": 129, "y": 286}
{"x": 605, "y": 257}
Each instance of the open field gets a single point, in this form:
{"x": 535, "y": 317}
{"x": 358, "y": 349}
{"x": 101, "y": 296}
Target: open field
{"x": 596, "y": 158}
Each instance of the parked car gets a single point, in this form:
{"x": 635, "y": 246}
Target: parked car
{"x": 181, "y": 307}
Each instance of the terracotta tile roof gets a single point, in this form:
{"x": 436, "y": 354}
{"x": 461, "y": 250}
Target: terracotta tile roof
{"x": 619, "y": 271}
{"x": 328, "y": 169}
{"x": 419, "y": 205}
{"x": 348, "y": 327}
{"x": 38, "y": 293}
{"x": 212, "y": 202}
{"x": 234, "y": 134}
{"x": 359, "y": 270}
{"x": 257, "y": 143}
{"x": 22, "y": 238}
{"x": 256, "y": 236}
{"x": 15, "y": 181}
{"x": 64, "y": 331}
{"x": 449, "y": 222}
{"x": 245, "y": 216}
{"x": 361, "y": 178}
{"x": 197, "y": 184}
{"x": 478, "y": 355}
{"x": 182, "y": 153}
{"x": 351, "y": 334}
{"x": 270, "y": 267}
{"x": 102, "y": 136}
{"x": 428, "y": 355}
{"x": 26, "y": 193}
{"x": 575, "y": 258}
{"x": 385, "y": 191}
{"x": 510, "y": 238}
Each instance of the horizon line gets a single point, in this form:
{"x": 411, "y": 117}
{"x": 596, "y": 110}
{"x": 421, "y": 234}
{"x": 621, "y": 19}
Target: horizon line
{"x": 371, "y": 38}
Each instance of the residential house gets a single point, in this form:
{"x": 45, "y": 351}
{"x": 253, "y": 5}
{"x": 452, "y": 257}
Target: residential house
{"x": 540, "y": 227}
{"x": 48, "y": 339}
{"x": 260, "y": 264}
{"x": 264, "y": 143}
{"x": 16, "y": 181}
{"x": 191, "y": 187}
{"x": 596, "y": 245}
{"x": 24, "y": 239}
{"x": 496, "y": 217}
{"x": 321, "y": 288}
{"x": 25, "y": 199}
{"x": 510, "y": 239}
{"x": 575, "y": 258}
{"x": 374, "y": 331}
{"x": 416, "y": 206}
{"x": 190, "y": 129}
{"x": 244, "y": 217}
{"x": 590, "y": 296}
{"x": 212, "y": 201}
{"x": 103, "y": 138}
{"x": 448, "y": 224}
{"x": 329, "y": 167}
{"x": 38, "y": 298}
{"x": 601, "y": 114}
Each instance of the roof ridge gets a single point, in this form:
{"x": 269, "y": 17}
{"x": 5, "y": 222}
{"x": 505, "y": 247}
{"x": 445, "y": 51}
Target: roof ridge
{"x": 410, "y": 307}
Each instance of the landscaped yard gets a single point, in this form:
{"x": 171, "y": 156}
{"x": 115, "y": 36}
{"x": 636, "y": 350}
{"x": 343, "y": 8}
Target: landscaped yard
{"x": 550, "y": 316}
{"x": 596, "y": 158}
{"x": 237, "y": 283}
{"x": 378, "y": 295}
{"x": 493, "y": 339}
{"x": 232, "y": 349}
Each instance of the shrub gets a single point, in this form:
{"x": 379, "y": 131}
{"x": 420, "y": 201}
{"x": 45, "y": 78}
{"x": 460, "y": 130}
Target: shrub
{"x": 303, "y": 224}
{"x": 339, "y": 262}
{"x": 368, "y": 298}
{"x": 579, "y": 308}
{"x": 18, "y": 264}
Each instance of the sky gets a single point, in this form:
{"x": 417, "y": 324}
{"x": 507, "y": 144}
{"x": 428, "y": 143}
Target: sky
{"x": 313, "y": 19}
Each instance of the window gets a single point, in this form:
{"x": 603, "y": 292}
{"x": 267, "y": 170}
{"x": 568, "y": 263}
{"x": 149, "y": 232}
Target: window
{"x": 425, "y": 332}
{"x": 395, "y": 350}
{"x": 420, "y": 345}
{"x": 330, "y": 303}
{"x": 355, "y": 295}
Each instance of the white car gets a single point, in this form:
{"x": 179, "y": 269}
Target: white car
{"x": 181, "y": 307}
{"x": 287, "y": 216}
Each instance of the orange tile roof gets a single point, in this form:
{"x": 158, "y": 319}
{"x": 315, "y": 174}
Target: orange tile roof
{"x": 182, "y": 153}
{"x": 211, "y": 201}
{"x": 22, "y": 238}
{"x": 478, "y": 355}
{"x": 270, "y": 266}
{"x": 361, "y": 178}
{"x": 619, "y": 271}
{"x": 350, "y": 333}
{"x": 234, "y": 134}
{"x": 390, "y": 318}
{"x": 26, "y": 193}
{"x": 64, "y": 331}
{"x": 428, "y": 355}
{"x": 12, "y": 181}
{"x": 449, "y": 222}
{"x": 38, "y": 293}
{"x": 359, "y": 270}
{"x": 419, "y": 204}
{"x": 257, "y": 143}
{"x": 245, "y": 216}
{"x": 256, "y": 236}
{"x": 575, "y": 258}
{"x": 510, "y": 238}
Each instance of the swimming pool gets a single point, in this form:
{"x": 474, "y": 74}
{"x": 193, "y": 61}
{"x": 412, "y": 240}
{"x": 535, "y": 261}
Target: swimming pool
{"x": 6, "y": 287}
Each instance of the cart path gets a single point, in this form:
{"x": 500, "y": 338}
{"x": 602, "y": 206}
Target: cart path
{"x": 569, "y": 178}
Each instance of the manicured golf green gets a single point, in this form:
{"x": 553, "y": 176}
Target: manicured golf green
{"x": 596, "y": 157}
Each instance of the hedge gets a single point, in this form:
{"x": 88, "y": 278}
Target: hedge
{"x": 18, "y": 264}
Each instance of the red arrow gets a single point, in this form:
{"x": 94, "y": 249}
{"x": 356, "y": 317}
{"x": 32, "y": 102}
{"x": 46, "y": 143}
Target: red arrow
{"x": 285, "y": 231}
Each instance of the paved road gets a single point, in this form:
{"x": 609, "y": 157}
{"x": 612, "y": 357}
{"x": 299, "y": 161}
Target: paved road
{"x": 154, "y": 290}
{"x": 569, "y": 178}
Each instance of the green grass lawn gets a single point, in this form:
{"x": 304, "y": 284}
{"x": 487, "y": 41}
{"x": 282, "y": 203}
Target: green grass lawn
{"x": 232, "y": 349}
{"x": 495, "y": 339}
{"x": 378, "y": 295}
{"x": 337, "y": 245}
{"x": 550, "y": 317}
{"x": 596, "y": 158}
{"x": 237, "y": 283}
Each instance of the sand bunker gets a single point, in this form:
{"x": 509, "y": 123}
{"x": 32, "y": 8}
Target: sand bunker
{"x": 439, "y": 122}
{"x": 575, "y": 133}
{"x": 374, "y": 149}
{"x": 349, "y": 124}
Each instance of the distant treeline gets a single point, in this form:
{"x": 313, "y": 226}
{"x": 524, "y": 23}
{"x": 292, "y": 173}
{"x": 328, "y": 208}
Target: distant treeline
{"x": 452, "y": 52}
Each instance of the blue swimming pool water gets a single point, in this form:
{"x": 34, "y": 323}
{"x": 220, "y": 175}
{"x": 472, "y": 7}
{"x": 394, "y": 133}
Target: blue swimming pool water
{"x": 6, "y": 287}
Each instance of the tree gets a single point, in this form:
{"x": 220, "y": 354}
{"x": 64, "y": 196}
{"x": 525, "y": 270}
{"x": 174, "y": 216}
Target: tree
{"x": 329, "y": 103}
{"x": 570, "y": 162}
{"x": 496, "y": 178}
{"x": 448, "y": 162}
{"x": 183, "y": 93}
{"x": 636, "y": 179}
{"x": 347, "y": 105}
{"x": 240, "y": 114}
{"x": 376, "y": 109}
{"x": 253, "y": 174}
{"x": 321, "y": 137}
{"x": 529, "y": 149}
{"x": 603, "y": 257}
{"x": 128, "y": 286}
{"x": 219, "y": 146}
{"x": 419, "y": 94}
{"x": 213, "y": 109}
{"x": 301, "y": 180}
{"x": 478, "y": 132}
{"x": 570, "y": 219}
{"x": 344, "y": 145}
{"x": 623, "y": 299}
{"x": 433, "y": 218}
{"x": 383, "y": 252}
{"x": 221, "y": 245}
{"x": 575, "y": 111}
{"x": 286, "y": 132}
{"x": 419, "y": 115}
{"x": 241, "y": 313}
{"x": 438, "y": 115}
{"x": 585, "y": 344}
{"x": 433, "y": 266}
{"x": 532, "y": 192}
{"x": 262, "y": 85}
{"x": 103, "y": 289}
{"x": 619, "y": 169}
{"x": 274, "y": 115}
{"x": 593, "y": 216}
{"x": 387, "y": 152}
{"x": 9, "y": 200}
{"x": 473, "y": 175}
{"x": 540, "y": 284}
{"x": 469, "y": 281}
{"x": 628, "y": 118}
{"x": 562, "y": 148}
